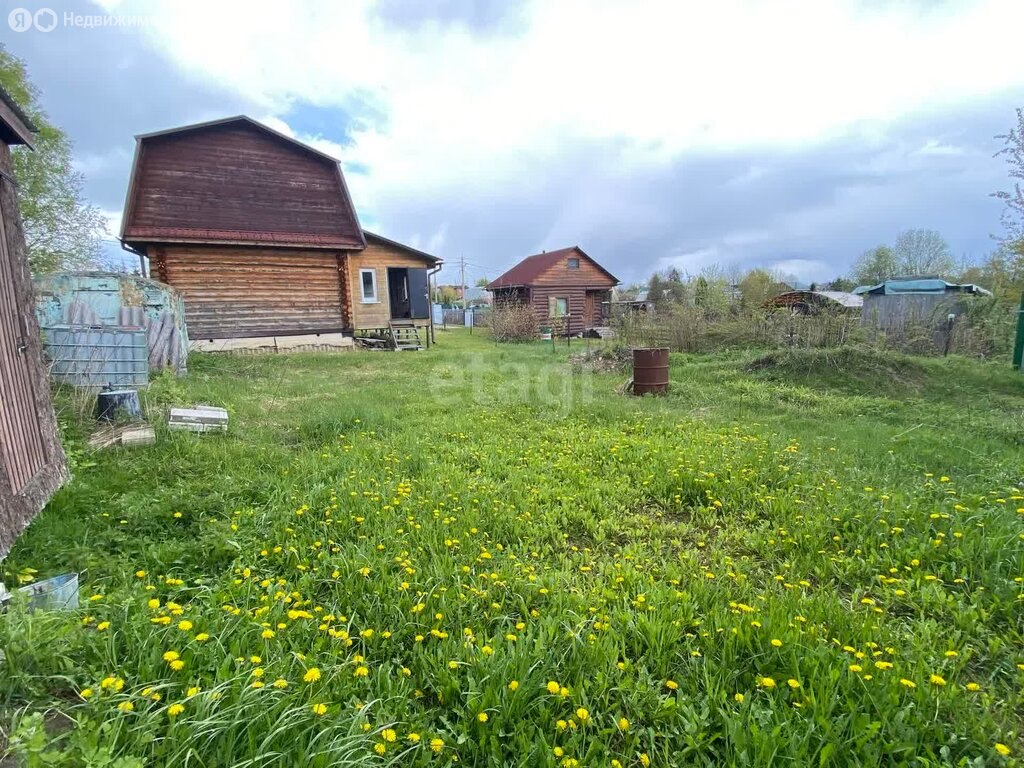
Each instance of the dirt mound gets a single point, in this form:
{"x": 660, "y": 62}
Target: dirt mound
{"x": 844, "y": 367}
{"x": 603, "y": 359}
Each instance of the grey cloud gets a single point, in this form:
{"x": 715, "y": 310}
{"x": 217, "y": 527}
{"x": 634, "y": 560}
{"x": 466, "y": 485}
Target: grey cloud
{"x": 103, "y": 85}
{"x": 815, "y": 206}
{"x": 812, "y": 208}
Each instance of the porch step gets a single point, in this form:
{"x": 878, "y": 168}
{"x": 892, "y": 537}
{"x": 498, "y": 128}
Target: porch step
{"x": 405, "y": 335}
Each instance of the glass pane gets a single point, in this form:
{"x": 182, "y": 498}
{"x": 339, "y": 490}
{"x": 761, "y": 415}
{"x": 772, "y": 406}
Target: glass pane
{"x": 561, "y": 307}
{"x": 368, "y": 285}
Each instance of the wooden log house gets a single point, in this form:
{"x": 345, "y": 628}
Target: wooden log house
{"x": 567, "y": 289}
{"x": 32, "y": 465}
{"x": 259, "y": 234}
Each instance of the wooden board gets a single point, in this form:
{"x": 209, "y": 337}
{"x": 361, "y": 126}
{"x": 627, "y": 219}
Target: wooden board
{"x": 32, "y": 464}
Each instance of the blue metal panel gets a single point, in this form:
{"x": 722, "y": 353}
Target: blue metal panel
{"x": 95, "y": 357}
{"x": 105, "y": 300}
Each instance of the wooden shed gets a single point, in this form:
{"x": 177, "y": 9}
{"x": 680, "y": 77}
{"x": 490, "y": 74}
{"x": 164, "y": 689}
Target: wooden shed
{"x": 259, "y": 234}
{"x": 566, "y": 288}
{"x": 32, "y": 464}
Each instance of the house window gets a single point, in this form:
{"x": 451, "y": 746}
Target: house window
{"x": 368, "y": 285}
{"x": 574, "y": 263}
{"x": 561, "y": 307}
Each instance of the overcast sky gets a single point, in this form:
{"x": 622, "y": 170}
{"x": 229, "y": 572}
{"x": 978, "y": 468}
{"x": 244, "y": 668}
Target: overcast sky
{"x": 786, "y": 134}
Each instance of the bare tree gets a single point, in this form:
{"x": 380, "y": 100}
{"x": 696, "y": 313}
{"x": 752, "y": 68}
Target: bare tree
{"x": 1013, "y": 199}
{"x": 923, "y": 252}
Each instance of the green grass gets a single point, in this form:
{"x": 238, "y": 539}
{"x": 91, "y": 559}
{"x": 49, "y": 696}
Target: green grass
{"x": 426, "y": 529}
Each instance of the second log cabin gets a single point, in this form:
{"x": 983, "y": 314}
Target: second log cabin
{"x": 567, "y": 289}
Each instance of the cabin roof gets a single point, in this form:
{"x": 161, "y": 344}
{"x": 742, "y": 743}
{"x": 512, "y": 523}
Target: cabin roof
{"x": 527, "y": 271}
{"x": 16, "y": 127}
{"x": 372, "y": 237}
{"x": 237, "y": 181}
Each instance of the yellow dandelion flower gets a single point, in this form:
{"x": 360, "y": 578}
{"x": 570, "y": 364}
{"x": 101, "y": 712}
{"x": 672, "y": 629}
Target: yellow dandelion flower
{"x": 907, "y": 683}
{"x": 185, "y": 625}
{"x": 319, "y": 709}
{"x": 623, "y": 724}
{"x": 312, "y": 675}
{"x": 766, "y": 682}
{"x": 389, "y": 735}
{"x": 583, "y": 714}
{"x": 776, "y": 643}
{"x": 553, "y": 687}
{"x": 126, "y": 706}
{"x": 437, "y": 744}
{"x": 793, "y": 683}
{"x": 380, "y": 748}
{"x": 1002, "y": 749}
{"x": 175, "y": 709}
{"x": 177, "y": 665}
{"x": 738, "y": 698}
{"x": 280, "y": 683}
{"x": 973, "y": 687}
{"x": 672, "y": 685}
{"x": 414, "y": 738}
{"x": 936, "y": 680}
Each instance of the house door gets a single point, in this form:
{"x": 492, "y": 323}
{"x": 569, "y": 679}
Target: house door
{"x": 408, "y": 293}
{"x": 21, "y": 441}
{"x": 588, "y": 309}
{"x": 398, "y": 293}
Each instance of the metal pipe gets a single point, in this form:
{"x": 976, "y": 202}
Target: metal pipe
{"x": 431, "y": 287}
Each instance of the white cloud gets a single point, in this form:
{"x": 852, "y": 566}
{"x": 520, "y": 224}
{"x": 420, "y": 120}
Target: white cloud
{"x": 651, "y": 80}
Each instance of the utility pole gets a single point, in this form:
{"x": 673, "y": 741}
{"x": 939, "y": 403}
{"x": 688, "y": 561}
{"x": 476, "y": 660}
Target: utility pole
{"x": 462, "y": 280}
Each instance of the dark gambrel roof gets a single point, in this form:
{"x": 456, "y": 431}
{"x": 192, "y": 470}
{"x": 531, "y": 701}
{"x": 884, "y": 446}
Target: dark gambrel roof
{"x": 237, "y": 181}
{"x": 529, "y": 269}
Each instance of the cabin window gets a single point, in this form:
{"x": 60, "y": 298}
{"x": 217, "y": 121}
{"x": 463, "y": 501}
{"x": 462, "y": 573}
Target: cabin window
{"x": 368, "y": 283}
{"x": 574, "y": 263}
{"x": 558, "y": 307}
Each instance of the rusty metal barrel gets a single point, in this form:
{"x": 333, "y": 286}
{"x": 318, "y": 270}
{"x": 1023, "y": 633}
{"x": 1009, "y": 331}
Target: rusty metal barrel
{"x": 650, "y": 371}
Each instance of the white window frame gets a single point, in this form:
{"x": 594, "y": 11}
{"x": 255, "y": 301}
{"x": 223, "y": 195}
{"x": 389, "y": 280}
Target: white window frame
{"x": 362, "y": 287}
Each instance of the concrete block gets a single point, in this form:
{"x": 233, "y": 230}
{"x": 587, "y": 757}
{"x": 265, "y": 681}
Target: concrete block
{"x": 205, "y": 418}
